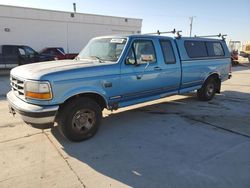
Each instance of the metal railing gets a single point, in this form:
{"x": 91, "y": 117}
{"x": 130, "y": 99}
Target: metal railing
{"x": 174, "y": 31}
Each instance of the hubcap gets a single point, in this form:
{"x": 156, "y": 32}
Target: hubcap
{"x": 210, "y": 89}
{"x": 83, "y": 120}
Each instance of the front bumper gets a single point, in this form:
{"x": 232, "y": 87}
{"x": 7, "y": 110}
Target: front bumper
{"x": 37, "y": 116}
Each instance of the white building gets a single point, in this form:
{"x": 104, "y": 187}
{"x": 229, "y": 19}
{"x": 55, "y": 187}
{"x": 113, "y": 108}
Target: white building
{"x": 39, "y": 28}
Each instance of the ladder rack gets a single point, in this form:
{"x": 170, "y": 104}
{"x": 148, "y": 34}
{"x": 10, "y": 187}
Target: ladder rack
{"x": 159, "y": 33}
{"x": 222, "y": 36}
{"x": 166, "y": 32}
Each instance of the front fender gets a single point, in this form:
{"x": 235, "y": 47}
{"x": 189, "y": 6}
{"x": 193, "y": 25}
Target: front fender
{"x": 82, "y": 90}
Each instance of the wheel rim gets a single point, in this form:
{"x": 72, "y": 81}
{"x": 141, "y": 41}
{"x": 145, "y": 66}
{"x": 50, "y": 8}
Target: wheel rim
{"x": 210, "y": 89}
{"x": 83, "y": 120}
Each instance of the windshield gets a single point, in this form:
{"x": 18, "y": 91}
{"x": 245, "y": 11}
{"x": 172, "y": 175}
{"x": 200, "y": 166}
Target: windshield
{"x": 103, "y": 49}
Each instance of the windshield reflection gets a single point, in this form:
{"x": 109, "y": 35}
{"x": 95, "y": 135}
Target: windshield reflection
{"x": 103, "y": 49}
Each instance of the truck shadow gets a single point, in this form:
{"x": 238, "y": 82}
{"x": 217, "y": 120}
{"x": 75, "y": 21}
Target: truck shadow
{"x": 157, "y": 145}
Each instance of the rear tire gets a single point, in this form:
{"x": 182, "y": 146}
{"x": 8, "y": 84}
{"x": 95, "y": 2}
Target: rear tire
{"x": 80, "y": 119}
{"x": 208, "y": 90}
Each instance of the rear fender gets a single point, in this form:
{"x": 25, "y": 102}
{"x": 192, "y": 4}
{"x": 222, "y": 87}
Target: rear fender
{"x": 217, "y": 77}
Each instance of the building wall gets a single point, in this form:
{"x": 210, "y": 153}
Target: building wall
{"x": 244, "y": 44}
{"x": 44, "y": 28}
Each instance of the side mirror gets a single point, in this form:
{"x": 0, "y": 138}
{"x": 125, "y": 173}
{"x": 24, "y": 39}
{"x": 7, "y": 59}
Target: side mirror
{"x": 130, "y": 61}
{"x": 147, "y": 57}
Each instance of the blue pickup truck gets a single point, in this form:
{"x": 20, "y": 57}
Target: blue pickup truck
{"x": 113, "y": 72}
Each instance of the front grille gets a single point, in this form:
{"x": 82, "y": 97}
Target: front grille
{"x": 17, "y": 85}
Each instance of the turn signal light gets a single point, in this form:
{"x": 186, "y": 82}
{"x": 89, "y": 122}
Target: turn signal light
{"x": 43, "y": 96}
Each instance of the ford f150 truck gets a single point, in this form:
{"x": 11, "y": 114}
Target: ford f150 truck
{"x": 113, "y": 72}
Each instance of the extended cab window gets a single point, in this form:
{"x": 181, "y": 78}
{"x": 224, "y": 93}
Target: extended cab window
{"x": 167, "y": 51}
{"x": 214, "y": 49}
{"x": 196, "y": 49}
{"x": 141, "y": 51}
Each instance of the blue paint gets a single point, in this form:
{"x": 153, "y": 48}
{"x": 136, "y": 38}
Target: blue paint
{"x": 122, "y": 84}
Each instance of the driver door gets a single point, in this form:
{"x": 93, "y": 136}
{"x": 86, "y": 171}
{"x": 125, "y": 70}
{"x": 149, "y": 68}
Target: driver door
{"x": 140, "y": 73}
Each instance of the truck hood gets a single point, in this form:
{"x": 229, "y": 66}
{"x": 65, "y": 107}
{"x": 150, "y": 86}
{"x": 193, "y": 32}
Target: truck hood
{"x": 37, "y": 70}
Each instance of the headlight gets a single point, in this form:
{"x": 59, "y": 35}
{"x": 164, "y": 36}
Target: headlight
{"x": 40, "y": 90}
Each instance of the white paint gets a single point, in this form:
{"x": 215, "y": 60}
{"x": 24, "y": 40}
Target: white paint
{"x": 39, "y": 28}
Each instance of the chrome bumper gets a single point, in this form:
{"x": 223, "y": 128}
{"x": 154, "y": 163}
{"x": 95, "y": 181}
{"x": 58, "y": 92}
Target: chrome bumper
{"x": 35, "y": 115}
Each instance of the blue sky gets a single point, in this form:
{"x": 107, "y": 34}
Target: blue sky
{"x": 211, "y": 16}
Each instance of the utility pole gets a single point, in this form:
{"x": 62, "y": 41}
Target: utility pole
{"x": 191, "y": 25}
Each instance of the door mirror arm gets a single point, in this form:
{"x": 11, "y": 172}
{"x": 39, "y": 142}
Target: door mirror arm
{"x": 140, "y": 76}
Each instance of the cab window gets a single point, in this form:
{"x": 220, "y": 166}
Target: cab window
{"x": 141, "y": 51}
{"x": 21, "y": 51}
{"x": 29, "y": 51}
{"x": 168, "y": 52}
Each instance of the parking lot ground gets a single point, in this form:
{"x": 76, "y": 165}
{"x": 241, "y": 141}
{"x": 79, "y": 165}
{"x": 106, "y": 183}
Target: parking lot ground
{"x": 173, "y": 142}
{"x": 4, "y": 85}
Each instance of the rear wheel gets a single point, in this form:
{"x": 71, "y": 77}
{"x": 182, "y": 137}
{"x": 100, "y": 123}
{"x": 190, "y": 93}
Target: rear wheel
{"x": 80, "y": 119}
{"x": 207, "y": 90}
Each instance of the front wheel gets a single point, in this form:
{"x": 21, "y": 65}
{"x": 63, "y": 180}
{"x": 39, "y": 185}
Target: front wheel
{"x": 207, "y": 90}
{"x": 80, "y": 119}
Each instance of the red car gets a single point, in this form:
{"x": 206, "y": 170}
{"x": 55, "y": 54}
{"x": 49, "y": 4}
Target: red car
{"x": 58, "y": 53}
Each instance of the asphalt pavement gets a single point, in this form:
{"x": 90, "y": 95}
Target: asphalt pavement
{"x": 173, "y": 142}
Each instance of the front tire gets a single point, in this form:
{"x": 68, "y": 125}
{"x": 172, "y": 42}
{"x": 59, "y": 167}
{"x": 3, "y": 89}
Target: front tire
{"x": 207, "y": 90}
{"x": 80, "y": 119}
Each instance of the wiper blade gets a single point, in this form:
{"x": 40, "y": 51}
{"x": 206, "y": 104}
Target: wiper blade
{"x": 98, "y": 58}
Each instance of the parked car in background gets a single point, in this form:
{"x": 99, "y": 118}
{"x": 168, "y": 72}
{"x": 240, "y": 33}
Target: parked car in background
{"x": 14, "y": 55}
{"x": 113, "y": 72}
{"x": 234, "y": 57}
{"x": 58, "y": 53}
{"x": 246, "y": 51}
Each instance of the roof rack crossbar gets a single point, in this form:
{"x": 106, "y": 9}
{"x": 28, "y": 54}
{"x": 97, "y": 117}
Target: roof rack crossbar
{"x": 207, "y": 36}
{"x": 159, "y": 33}
{"x": 178, "y": 34}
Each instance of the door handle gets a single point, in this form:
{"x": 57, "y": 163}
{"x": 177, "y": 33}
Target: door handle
{"x": 157, "y": 68}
